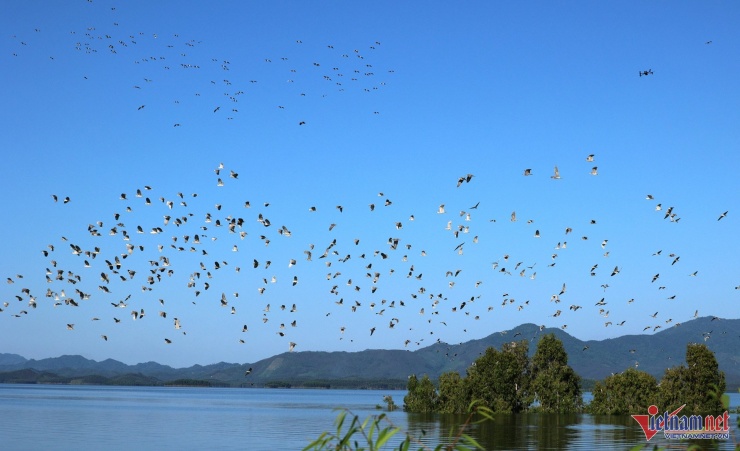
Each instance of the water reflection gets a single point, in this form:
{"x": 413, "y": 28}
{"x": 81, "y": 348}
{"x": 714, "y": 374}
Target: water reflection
{"x": 544, "y": 431}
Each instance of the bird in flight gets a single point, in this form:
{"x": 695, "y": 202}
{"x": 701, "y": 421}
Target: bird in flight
{"x": 556, "y": 174}
{"x": 465, "y": 179}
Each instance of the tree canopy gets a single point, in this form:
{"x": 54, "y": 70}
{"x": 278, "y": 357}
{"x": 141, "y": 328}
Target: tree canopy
{"x": 502, "y": 380}
{"x": 628, "y": 393}
{"x": 422, "y": 396}
{"x": 694, "y": 383}
{"x": 555, "y": 385}
{"x": 699, "y": 385}
{"x": 453, "y": 396}
{"x": 507, "y": 380}
{"x": 499, "y": 379}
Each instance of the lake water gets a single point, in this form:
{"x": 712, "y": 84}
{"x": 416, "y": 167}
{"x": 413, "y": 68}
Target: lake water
{"x": 64, "y": 417}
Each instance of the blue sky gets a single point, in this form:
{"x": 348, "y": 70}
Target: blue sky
{"x": 320, "y": 104}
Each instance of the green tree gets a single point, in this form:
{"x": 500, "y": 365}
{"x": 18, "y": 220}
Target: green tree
{"x": 626, "y": 393}
{"x": 694, "y": 383}
{"x": 673, "y": 388}
{"x": 555, "y": 385}
{"x": 421, "y": 397}
{"x": 499, "y": 379}
{"x": 704, "y": 374}
{"x": 453, "y": 396}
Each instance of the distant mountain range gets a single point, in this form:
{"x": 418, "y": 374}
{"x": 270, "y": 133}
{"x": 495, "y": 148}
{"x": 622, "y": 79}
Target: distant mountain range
{"x": 592, "y": 360}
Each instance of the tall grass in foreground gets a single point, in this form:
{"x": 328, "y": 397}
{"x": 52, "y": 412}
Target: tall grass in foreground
{"x": 375, "y": 431}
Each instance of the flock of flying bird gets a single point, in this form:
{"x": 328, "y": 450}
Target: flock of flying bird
{"x": 169, "y": 249}
{"x": 133, "y": 263}
{"x": 335, "y": 71}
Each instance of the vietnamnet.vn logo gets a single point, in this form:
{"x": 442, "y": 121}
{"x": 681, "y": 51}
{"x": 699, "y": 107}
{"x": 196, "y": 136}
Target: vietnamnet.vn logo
{"x": 684, "y": 426}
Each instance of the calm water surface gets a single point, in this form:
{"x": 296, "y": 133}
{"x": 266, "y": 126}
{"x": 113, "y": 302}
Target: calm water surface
{"x": 63, "y": 417}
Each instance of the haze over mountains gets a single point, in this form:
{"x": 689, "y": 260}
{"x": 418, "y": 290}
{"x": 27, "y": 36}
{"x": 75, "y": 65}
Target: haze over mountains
{"x": 590, "y": 359}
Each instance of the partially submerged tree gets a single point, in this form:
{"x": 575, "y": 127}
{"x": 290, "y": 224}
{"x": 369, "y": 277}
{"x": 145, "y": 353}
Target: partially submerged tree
{"x": 499, "y": 379}
{"x": 504, "y": 381}
{"x": 695, "y": 383}
{"x": 421, "y": 397}
{"x": 453, "y": 394}
{"x": 554, "y": 385}
{"x": 627, "y": 393}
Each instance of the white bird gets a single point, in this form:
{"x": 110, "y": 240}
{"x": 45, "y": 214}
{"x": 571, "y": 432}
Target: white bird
{"x": 556, "y": 174}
